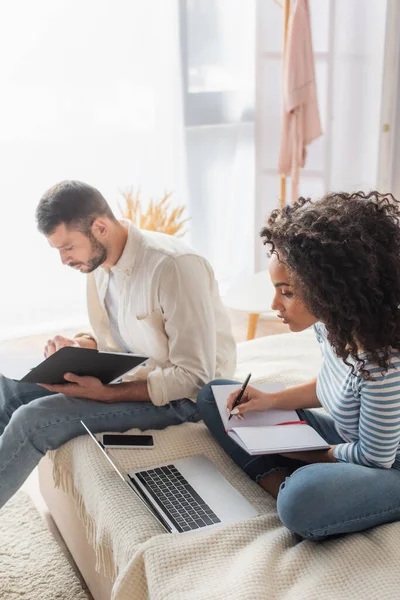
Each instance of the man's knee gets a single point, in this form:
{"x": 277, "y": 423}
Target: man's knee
{"x": 43, "y": 433}
{"x": 7, "y": 387}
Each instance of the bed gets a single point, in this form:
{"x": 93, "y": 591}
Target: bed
{"x": 123, "y": 553}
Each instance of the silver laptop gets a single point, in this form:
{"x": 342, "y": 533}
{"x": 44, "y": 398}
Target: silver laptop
{"x": 186, "y": 494}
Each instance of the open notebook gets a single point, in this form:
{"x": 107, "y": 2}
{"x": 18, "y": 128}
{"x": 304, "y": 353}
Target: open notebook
{"x": 260, "y": 432}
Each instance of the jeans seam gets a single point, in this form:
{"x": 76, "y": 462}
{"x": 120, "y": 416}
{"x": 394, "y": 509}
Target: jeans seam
{"x": 272, "y": 470}
{"x": 349, "y": 521}
{"x": 191, "y": 417}
{"x": 17, "y": 451}
{"x": 79, "y": 418}
{"x": 251, "y": 460}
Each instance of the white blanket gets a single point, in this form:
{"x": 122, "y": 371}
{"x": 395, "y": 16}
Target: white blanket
{"x": 251, "y": 560}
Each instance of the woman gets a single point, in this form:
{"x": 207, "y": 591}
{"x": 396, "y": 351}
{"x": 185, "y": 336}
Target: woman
{"x": 335, "y": 264}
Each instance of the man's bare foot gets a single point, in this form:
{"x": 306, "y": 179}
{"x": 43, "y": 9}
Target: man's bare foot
{"x": 272, "y": 482}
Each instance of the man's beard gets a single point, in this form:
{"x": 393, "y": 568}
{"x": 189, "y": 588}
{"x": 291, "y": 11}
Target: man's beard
{"x": 99, "y": 254}
{"x": 98, "y": 257}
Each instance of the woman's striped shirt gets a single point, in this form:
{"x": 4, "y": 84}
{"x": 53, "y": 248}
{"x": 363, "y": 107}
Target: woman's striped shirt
{"x": 366, "y": 412}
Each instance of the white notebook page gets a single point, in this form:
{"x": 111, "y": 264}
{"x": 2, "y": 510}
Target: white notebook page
{"x": 251, "y": 418}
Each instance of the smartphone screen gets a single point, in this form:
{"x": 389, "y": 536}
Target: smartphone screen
{"x": 120, "y": 440}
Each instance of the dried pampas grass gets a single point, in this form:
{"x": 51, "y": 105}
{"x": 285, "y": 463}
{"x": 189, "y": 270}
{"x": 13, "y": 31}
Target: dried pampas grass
{"x": 158, "y": 216}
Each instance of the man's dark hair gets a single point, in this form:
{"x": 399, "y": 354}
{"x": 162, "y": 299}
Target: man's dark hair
{"x": 343, "y": 253}
{"x": 72, "y": 203}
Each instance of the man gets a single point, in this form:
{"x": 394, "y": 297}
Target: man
{"x": 147, "y": 293}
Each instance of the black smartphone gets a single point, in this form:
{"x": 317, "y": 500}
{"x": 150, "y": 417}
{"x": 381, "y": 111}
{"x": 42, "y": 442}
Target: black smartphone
{"x": 120, "y": 440}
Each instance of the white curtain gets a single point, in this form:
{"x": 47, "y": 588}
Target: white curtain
{"x": 90, "y": 90}
{"x": 220, "y": 132}
{"x": 153, "y": 94}
{"x": 357, "y": 80}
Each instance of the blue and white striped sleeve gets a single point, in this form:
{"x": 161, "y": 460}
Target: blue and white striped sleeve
{"x": 318, "y": 330}
{"x": 379, "y": 422}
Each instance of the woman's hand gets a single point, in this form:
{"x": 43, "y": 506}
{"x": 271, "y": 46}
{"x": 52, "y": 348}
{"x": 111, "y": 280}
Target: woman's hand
{"x": 252, "y": 399}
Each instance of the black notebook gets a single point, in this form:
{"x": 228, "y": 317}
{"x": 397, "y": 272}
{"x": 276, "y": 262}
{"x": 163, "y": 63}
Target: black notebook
{"x": 106, "y": 366}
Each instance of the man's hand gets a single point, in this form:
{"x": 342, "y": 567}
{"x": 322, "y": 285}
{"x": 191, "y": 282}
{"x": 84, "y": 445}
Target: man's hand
{"x": 89, "y": 388}
{"x": 56, "y": 343}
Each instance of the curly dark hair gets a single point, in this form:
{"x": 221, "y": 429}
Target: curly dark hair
{"x": 343, "y": 254}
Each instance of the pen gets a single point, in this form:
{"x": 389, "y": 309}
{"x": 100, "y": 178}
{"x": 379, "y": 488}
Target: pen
{"x": 293, "y": 423}
{"x": 239, "y": 397}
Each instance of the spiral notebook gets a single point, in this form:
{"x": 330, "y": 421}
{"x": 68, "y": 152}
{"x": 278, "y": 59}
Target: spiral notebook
{"x": 269, "y": 431}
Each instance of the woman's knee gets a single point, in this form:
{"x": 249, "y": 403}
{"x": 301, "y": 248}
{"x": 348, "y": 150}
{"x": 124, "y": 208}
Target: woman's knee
{"x": 206, "y": 393}
{"x": 300, "y": 500}
{"x": 206, "y": 399}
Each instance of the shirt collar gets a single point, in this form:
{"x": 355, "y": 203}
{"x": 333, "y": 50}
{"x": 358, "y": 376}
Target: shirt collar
{"x": 127, "y": 259}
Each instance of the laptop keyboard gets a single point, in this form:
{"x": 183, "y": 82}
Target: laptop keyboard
{"x": 174, "y": 494}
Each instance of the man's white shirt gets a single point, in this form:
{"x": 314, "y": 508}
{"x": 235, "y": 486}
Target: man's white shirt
{"x": 169, "y": 309}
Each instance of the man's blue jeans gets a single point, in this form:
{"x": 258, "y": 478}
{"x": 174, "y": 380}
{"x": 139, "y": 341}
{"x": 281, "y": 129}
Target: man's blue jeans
{"x": 33, "y": 421}
{"x": 316, "y": 500}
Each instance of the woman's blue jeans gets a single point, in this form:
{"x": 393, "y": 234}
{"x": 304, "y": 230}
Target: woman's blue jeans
{"x": 321, "y": 499}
